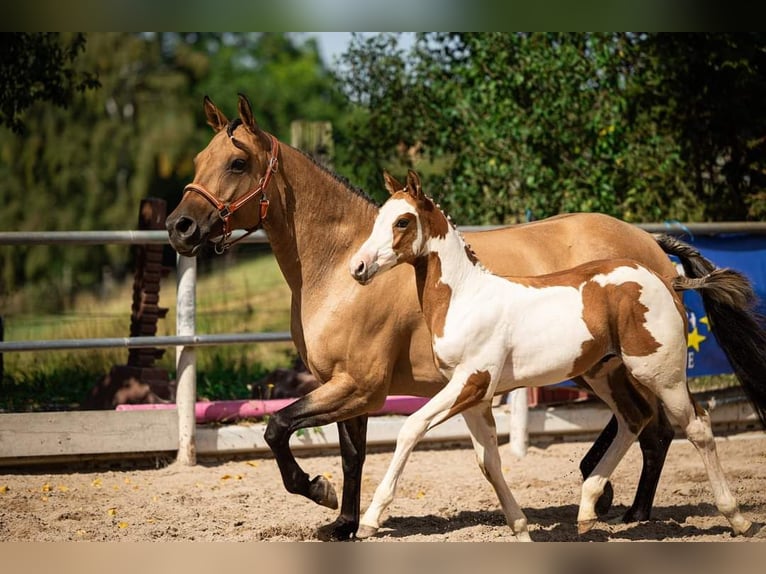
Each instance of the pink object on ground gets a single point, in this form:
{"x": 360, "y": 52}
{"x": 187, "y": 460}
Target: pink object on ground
{"x": 226, "y": 411}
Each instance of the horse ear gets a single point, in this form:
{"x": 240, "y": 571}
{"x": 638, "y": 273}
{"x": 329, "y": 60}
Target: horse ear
{"x": 413, "y": 184}
{"x": 215, "y": 117}
{"x": 246, "y": 113}
{"x": 392, "y": 184}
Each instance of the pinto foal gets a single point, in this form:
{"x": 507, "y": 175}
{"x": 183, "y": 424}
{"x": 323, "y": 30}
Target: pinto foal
{"x": 492, "y": 334}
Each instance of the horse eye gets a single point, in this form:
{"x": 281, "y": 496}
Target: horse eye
{"x": 238, "y": 165}
{"x": 402, "y": 223}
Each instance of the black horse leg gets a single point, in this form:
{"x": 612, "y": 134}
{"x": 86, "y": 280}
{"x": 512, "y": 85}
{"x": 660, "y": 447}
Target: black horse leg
{"x": 279, "y": 429}
{"x": 655, "y": 441}
{"x": 352, "y": 435}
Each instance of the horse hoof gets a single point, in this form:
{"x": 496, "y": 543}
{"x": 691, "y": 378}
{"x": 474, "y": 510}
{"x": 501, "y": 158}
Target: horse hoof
{"x": 584, "y": 526}
{"x": 523, "y": 537}
{"x": 604, "y": 502}
{"x": 337, "y": 531}
{"x": 635, "y": 515}
{"x": 755, "y": 530}
{"x": 323, "y": 493}
{"x": 365, "y": 531}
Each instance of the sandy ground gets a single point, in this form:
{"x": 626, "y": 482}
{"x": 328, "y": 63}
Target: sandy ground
{"x": 441, "y": 497}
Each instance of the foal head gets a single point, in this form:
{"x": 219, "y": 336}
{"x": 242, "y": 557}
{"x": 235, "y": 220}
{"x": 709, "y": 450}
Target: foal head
{"x": 401, "y": 231}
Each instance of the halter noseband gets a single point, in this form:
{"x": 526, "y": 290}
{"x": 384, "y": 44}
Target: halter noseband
{"x": 226, "y": 210}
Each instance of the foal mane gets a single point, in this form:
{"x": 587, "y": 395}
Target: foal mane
{"x": 468, "y": 250}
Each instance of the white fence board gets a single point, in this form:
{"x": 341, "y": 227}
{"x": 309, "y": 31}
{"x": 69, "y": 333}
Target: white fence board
{"x": 50, "y": 437}
{"x": 54, "y": 434}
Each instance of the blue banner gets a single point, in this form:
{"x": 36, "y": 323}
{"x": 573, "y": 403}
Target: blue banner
{"x": 745, "y": 253}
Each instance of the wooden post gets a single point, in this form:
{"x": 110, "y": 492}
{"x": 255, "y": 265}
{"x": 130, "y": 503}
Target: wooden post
{"x": 186, "y": 367}
{"x": 519, "y": 433}
{"x": 314, "y": 138}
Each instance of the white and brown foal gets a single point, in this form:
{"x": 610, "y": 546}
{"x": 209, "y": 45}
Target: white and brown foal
{"x": 492, "y": 334}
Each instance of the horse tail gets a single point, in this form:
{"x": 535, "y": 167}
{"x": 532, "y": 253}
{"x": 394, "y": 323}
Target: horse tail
{"x": 729, "y": 300}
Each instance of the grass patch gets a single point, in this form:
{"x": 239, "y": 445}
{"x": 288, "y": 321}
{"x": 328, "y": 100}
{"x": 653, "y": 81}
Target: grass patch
{"x": 241, "y": 294}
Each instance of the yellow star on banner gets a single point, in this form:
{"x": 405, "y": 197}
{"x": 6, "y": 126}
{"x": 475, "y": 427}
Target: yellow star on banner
{"x": 694, "y": 339}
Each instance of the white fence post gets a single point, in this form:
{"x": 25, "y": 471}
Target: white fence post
{"x": 186, "y": 365}
{"x": 519, "y": 413}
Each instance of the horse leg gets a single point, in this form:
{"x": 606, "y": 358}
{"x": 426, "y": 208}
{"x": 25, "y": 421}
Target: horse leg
{"x": 654, "y": 440}
{"x": 481, "y": 425}
{"x": 353, "y": 447}
{"x": 695, "y": 421}
{"x": 436, "y": 410}
{"x": 338, "y": 399}
{"x": 610, "y": 381}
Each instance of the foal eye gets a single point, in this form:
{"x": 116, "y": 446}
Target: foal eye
{"x": 238, "y": 165}
{"x": 402, "y": 223}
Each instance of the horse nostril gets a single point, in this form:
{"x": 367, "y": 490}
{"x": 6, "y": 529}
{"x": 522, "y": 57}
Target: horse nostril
{"x": 359, "y": 271}
{"x": 185, "y": 226}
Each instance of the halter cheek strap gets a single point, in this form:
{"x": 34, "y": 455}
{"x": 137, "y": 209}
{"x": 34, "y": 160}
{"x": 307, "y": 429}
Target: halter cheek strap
{"x": 226, "y": 210}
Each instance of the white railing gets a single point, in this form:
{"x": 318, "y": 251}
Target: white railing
{"x": 186, "y": 338}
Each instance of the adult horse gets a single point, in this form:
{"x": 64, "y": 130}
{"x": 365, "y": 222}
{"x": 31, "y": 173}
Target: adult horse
{"x": 367, "y": 343}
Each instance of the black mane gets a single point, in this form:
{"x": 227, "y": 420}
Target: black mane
{"x": 340, "y": 179}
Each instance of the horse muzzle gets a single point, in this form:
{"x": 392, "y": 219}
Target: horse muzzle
{"x": 363, "y": 269}
{"x": 185, "y": 234}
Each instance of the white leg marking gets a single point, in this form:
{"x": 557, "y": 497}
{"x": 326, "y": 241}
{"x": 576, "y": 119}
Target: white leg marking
{"x": 481, "y": 426}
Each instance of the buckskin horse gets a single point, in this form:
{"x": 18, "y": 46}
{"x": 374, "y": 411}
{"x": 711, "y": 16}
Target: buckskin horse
{"x": 492, "y": 334}
{"x": 367, "y": 343}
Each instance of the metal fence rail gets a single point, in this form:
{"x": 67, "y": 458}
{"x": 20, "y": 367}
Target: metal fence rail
{"x": 186, "y": 338}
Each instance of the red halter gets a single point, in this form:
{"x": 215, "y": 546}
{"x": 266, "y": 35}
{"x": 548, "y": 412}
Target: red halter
{"x": 226, "y": 210}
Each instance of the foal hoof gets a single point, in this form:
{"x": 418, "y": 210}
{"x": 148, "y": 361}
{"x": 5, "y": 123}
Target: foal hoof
{"x": 365, "y": 531}
{"x": 322, "y": 492}
{"x": 584, "y": 526}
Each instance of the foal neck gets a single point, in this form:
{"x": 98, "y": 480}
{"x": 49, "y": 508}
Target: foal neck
{"x": 445, "y": 266}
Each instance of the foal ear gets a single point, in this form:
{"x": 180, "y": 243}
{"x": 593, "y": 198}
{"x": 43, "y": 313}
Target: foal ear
{"x": 413, "y": 185}
{"x": 246, "y": 113}
{"x": 392, "y": 184}
{"x": 215, "y": 117}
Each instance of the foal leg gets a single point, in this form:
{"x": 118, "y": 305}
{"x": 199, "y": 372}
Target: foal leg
{"x": 632, "y": 411}
{"x": 433, "y": 412}
{"x": 696, "y": 423}
{"x": 481, "y": 425}
{"x": 447, "y": 402}
{"x": 593, "y": 486}
{"x": 654, "y": 440}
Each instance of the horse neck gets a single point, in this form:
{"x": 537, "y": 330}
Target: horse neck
{"x": 317, "y": 221}
{"x": 444, "y": 272}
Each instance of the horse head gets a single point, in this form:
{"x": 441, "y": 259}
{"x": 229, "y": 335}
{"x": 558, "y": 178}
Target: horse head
{"x": 400, "y": 232}
{"x": 230, "y": 173}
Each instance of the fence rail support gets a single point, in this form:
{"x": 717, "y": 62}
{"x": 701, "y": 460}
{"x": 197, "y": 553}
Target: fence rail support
{"x": 186, "y": 364}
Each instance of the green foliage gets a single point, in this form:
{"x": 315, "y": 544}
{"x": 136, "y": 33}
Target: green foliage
{"x": 87, "y": 167}
{"x": 542, "y": 124}
{"x": 39, "y": 67}
{"x": 256, "y": 299}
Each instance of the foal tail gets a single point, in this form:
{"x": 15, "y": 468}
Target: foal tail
{"x": 729, "y": 301}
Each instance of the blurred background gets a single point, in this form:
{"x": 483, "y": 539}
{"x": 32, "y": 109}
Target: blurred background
{"x": 504, "y": 128}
